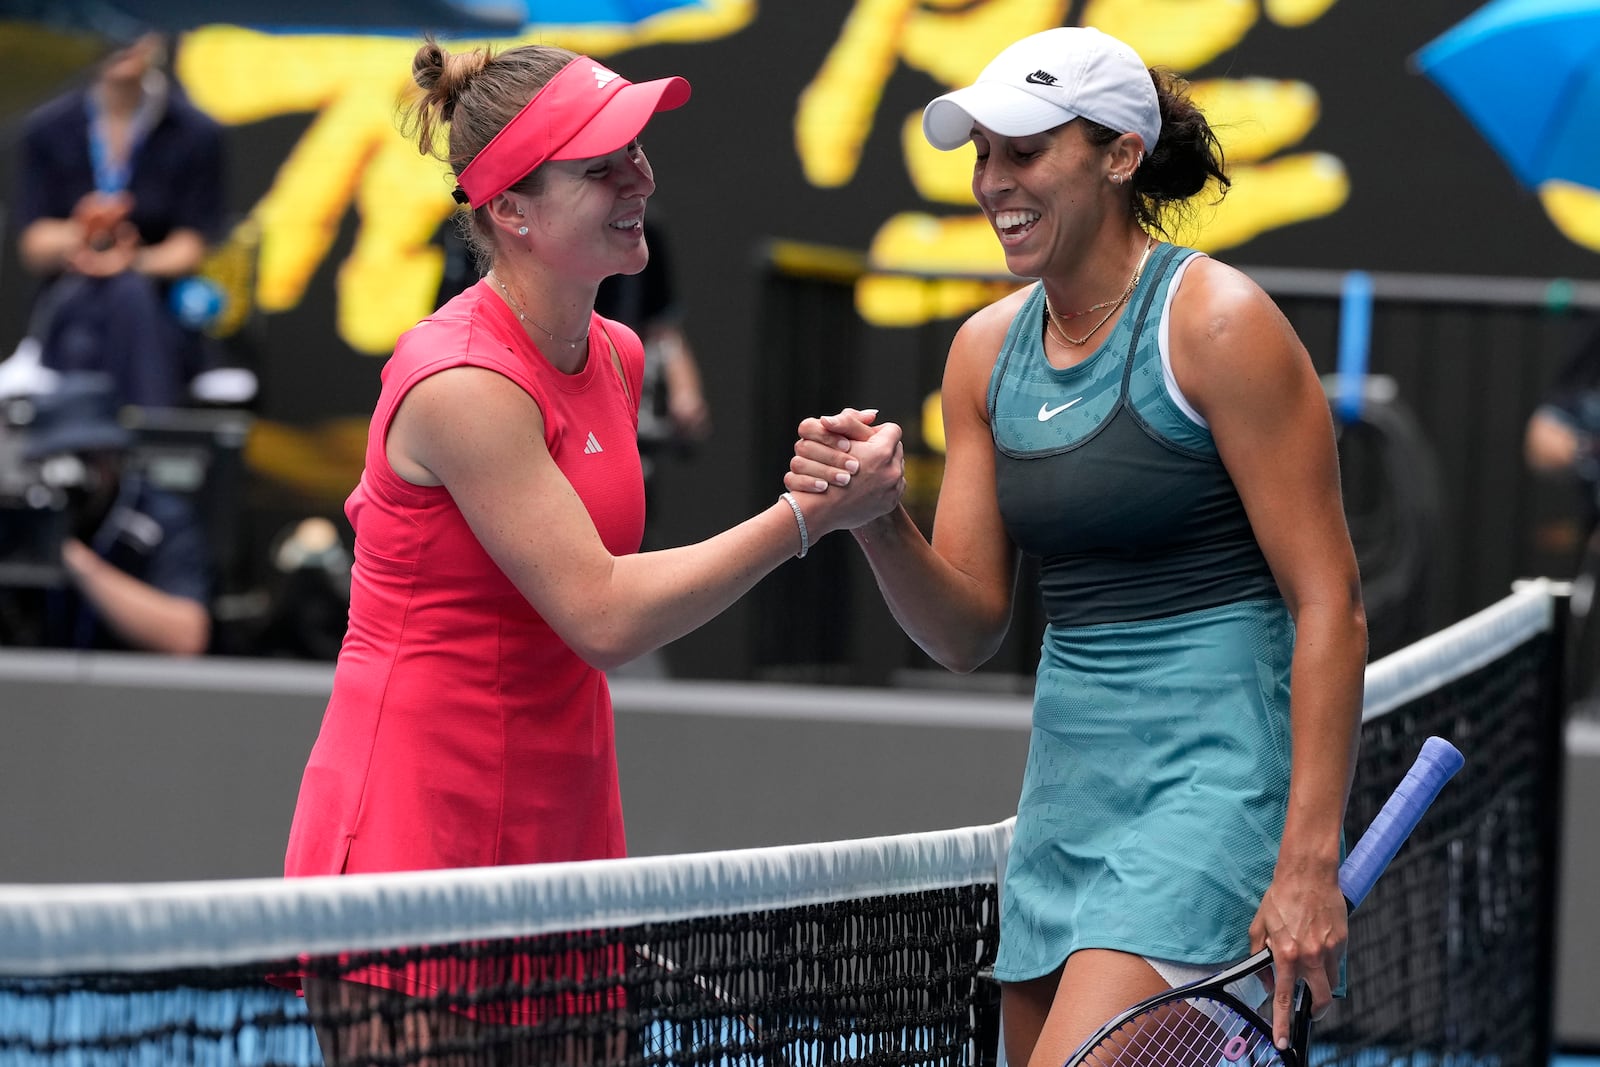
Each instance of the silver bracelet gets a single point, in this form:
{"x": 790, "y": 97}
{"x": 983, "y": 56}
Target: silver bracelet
{"x": 800, "y": 520}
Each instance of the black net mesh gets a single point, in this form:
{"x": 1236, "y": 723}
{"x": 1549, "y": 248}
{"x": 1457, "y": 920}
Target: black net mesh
{"x": 882, "y": 980}
{"x": 1450, "y": 954}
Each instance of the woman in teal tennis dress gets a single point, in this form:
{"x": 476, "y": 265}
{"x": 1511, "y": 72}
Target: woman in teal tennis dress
{"x": 1146, "y": 424}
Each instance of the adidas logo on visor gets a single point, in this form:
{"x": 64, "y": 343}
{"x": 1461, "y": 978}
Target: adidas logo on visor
{"x": 603, "y": 77}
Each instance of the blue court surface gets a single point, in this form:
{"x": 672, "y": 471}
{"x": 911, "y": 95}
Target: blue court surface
{"x": 245, "y": 1028}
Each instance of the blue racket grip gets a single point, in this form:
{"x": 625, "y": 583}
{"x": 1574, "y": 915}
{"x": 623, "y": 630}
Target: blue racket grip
{"x": 1436, "y": 763}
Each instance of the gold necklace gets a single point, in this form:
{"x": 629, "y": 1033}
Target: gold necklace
{"x": 523, "y": 316}
{"x": 1080, "y": 314}
{"x": 1054, "y": 330}
{"x": 1078, "y": 342}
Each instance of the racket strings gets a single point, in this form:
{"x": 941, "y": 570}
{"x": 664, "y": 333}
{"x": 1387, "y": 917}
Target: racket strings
{"x": 1193, "y": 1032}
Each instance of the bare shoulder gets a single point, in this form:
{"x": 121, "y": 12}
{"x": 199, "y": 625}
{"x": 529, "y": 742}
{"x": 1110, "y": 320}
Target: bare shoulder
{"x": 1228, "y": 338}
{"x": 977, "y": 343}
{"x": 1220, "y": 313}
{"x": 993, "y": 320}
{"x": 1215, "y": 301}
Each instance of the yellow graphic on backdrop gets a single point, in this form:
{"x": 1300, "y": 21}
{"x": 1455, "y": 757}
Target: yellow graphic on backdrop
{"x": 352, "y": 156}
{"x": 1260, "y": 122}
{"x": 352, "y": 160}
{"x": 1575, "y": 209}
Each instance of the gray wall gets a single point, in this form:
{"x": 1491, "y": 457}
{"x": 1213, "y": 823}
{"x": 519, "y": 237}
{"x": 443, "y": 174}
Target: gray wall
{"x": 118, "y": 769}
{"x": 121, "y": 768}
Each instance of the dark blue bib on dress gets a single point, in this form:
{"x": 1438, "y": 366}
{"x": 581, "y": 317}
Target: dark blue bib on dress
{"x": 1103, "y": 477}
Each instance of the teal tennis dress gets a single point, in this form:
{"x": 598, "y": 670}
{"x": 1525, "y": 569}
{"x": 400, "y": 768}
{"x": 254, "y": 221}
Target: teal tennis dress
{"x": 1158, "y": 770}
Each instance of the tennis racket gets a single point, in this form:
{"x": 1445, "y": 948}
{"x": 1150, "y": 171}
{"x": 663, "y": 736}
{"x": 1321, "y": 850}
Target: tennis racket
{"x": 1204, "y": 1024}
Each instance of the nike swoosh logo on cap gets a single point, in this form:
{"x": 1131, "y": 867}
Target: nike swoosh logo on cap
{"x": 1040, "y": 77}
{"x": 1046, "y": 412}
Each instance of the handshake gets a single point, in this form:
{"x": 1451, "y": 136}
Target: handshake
{"x": 850, "y": 467}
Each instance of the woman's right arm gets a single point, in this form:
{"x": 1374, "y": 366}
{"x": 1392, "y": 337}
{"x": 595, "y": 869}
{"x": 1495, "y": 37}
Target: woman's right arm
{"x": 481, "y": 436}
{"x": 952, "y": 597}
{"x": 46, "y": 246}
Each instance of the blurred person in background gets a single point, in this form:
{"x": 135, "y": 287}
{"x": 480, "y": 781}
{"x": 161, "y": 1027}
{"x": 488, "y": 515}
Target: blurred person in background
{"x": 119, "y": 194}
{"x": 1561, "y": 443}
{"x": 134, "y": 568}
{"x": 1562, "y": 435}
{"x": 673, "y": 412}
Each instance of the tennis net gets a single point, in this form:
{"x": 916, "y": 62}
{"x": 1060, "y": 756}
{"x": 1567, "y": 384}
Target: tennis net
{"x": 1452, "y": 955}
{"x": 868, "y": 952}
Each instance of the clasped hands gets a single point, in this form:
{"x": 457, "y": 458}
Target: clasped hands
{"x": 853, "y": 467}
{"x": 110, "y": 239}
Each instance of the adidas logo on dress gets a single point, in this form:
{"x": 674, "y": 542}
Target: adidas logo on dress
{"x": 592, "y": 445}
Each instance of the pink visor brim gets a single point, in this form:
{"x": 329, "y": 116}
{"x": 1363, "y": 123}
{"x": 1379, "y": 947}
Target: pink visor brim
{"x": 586, "y": 110}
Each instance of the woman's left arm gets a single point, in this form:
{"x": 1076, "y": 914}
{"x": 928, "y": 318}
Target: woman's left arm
{"x": 1238, "y": 361}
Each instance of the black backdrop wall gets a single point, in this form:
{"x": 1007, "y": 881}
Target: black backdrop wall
{"x": 1424, "y": 194}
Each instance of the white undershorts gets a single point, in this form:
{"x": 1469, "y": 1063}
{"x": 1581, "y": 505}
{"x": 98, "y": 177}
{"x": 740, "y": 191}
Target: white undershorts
{"x": 1252, "y": 989}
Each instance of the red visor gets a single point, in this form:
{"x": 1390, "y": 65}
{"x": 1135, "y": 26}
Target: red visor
{"x": 586, "y": 110}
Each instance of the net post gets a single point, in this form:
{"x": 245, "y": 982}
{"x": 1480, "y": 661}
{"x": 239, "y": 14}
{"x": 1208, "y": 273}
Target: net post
{"x": 1552, "y": 744}
{"x": 986, "y": 1030}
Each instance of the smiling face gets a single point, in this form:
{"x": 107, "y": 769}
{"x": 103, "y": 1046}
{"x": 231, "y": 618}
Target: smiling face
{"x": 1047, "y": 195}
{"x": 588, "y": 215}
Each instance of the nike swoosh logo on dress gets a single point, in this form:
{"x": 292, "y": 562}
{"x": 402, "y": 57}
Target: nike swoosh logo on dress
{"x": 1046, "y": 412}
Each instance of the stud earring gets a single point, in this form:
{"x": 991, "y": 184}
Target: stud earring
{"x": 1116, "y": 179}
{"x": 522, "y": 231}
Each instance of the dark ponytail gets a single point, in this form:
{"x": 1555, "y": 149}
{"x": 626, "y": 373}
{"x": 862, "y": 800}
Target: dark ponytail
{"x": 1185, "y": 160}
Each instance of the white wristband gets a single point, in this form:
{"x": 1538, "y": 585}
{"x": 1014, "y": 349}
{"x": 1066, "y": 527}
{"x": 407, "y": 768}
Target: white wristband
{"x": 800, "y": 520}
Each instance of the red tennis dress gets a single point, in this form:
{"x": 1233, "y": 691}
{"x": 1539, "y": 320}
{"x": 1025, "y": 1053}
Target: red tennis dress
{"x": 462, "y": 731}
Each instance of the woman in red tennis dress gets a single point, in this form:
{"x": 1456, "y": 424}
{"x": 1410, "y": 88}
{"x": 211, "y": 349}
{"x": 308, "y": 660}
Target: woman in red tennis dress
{"x": 498, "y": 518}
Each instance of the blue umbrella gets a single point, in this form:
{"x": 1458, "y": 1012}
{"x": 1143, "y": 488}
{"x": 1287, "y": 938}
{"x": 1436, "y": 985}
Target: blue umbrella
{"x": 1527, "y": 74}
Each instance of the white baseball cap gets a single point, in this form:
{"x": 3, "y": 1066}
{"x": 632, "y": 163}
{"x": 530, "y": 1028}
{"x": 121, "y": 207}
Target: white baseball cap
{"x": 1047, "y": 79}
